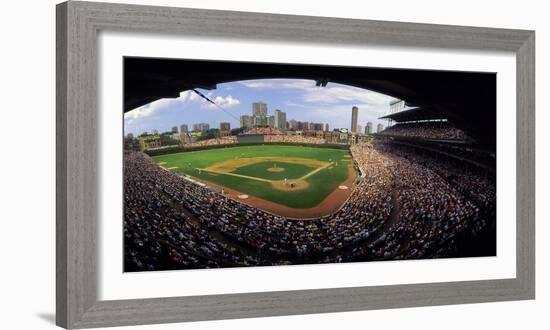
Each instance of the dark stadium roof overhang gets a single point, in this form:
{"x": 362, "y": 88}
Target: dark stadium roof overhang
{"x": 467, "y": 99}
{"x": 415, "y": 114}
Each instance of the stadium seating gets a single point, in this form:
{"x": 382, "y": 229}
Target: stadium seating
{"x": 436, "y": 130}
{"x": 405, "y": 206}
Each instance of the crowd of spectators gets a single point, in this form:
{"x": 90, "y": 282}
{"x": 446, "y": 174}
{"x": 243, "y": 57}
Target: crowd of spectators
{"x": 293, "y": 138}
{"x": 431, "y": 211}
{"x": 212, "y": 142}
{"x": 475, "y": 183}
{"x": 258, "y": 130}
{"x": 439, "y": 199}
{"x": 437, "y": 130}
{"x": 400, "y": 208}
{"x": 160, "y": 235}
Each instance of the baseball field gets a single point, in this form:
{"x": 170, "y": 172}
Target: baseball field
{"x": 294, "y": 177}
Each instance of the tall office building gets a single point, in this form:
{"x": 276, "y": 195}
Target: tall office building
{"x": 259, "y": 109}
{"x": 224, "y": 126}
{"x": 203, "y": 127}
{"x": 246, "y": 121}
{"x": 280, "y": 119}
{"x": 174, "y": 129}
{"x": 259, "y": 121}
{"x": 326, "y": 127}
{"x": 271, "y": 121}
{"x": 184, "y": 128}
{"x": 354, "y": 115}
{"x": 379, "y": 128}
{"x": 315, "y": 126}
{"x": 359, "y": 128}
{"x": 368, "y": 128}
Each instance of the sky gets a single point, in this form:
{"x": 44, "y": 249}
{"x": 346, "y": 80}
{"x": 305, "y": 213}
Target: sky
{"x": 300, "y": 99}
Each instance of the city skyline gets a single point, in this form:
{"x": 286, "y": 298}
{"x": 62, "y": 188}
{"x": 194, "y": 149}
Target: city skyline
{"x": 301, "y": 100}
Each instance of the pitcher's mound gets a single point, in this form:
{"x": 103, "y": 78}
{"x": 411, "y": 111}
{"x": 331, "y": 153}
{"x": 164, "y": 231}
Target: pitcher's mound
{"x": 290, "y": 185}
{"x": 276, "y": 169}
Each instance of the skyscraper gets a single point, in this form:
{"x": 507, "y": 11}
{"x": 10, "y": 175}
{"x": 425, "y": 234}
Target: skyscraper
{"x": 184, "y": 128}
{"x": 259, "y": 109}
{"x": 326, "y": 127}
{"x": 368, "y": 128}
{"x": 203, "y": 127}
{"x": 379, "y": 128}
{"x": 246, "y": 121}
{"x": 271, "y": 121}
{"x": 259, "y": 120}
{"x": 280, "y": 119}
{"x": 315, "y": 126}
{"x": 359, "y": 128}
{"x": 174, "y": 129}
{"x": 354, "y": 114}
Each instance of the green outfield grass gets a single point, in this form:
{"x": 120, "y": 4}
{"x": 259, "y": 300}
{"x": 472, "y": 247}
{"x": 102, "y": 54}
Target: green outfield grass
{"x": 320, "y": 184}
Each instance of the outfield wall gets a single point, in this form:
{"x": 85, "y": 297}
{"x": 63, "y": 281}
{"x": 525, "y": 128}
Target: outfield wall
{"x": 250, "y": 138}
{"x": 178, "y": 149}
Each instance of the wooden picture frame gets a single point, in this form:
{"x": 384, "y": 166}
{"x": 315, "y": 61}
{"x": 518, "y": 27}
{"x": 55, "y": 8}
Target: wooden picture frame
{"x": 78, "y": 24}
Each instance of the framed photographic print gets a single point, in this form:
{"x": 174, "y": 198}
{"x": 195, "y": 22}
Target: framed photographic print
{"x": 216, "y": 165}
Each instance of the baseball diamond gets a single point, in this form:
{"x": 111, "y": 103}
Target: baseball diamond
{"x": 279, "y": 179}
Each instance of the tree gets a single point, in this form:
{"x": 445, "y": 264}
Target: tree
{"x": 209, "y": 134}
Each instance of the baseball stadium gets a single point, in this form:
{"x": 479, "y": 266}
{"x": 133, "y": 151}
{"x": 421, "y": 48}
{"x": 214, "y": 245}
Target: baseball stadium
{"x": 270, "y": 194}
{"x": 293, "y": 181}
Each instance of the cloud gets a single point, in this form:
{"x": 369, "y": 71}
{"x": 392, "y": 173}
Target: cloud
{"x": 225, "y": 102}
{"x": 293, "y": 104}
{"x": 340, "y": 93}
{"x": 150, "y": 109}
{"x": 144, "y": 111}
{"x": 185, "y": 98}
{"x": 278, "y": 84}
{"x": 256, "y": 84}
{"x": 336, "y": 111}
{"x": 331, "y": 94}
